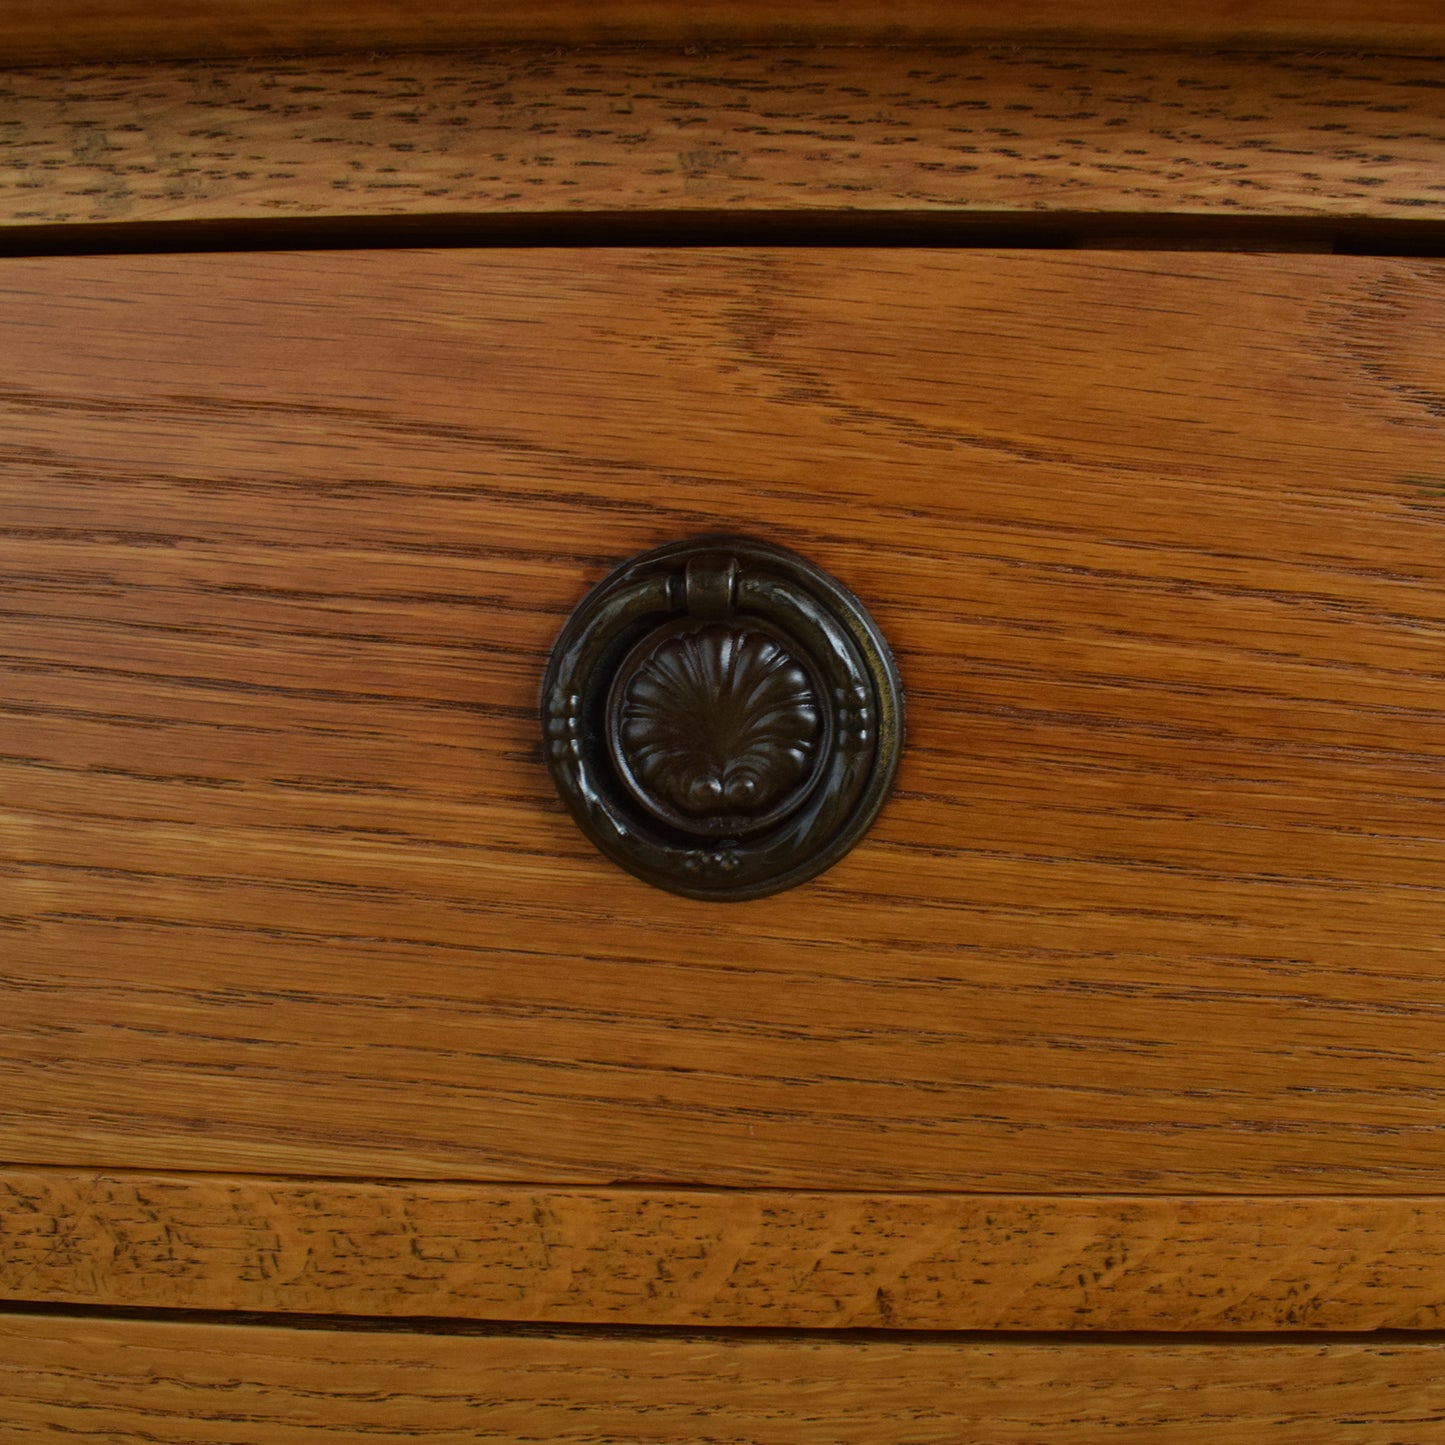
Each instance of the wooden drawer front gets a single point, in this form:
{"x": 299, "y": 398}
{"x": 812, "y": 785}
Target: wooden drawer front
{"x": 221, "y": 1383}
{"x": 1158, "y": 542}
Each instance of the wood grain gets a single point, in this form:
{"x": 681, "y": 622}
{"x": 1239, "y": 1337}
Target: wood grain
{"x": 1157, "y": 906}
{"x": 997, "y": 133}
{"x": 149, "y": 1381}
{"x": 721, "y": 1258}
{"x": 35, "y": 32}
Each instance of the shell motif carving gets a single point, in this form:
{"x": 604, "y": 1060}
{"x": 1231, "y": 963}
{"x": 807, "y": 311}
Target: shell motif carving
{"x": 717, "y": 721}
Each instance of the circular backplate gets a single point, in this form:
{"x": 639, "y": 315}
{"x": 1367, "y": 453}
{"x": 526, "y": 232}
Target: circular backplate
{"x": 722, "y": 718}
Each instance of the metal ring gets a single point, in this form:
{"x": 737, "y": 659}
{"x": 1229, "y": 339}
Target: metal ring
{"x": 722, "y": 718}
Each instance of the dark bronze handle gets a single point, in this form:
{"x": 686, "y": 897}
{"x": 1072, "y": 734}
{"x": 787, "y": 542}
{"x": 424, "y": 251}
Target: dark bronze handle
{"x": 722, "y": 718}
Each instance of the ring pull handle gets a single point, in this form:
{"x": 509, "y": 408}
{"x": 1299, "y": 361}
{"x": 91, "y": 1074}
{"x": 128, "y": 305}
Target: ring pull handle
{"x": 722, "y": 718}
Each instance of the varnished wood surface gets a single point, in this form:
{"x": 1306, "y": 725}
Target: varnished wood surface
{"x": 138, "y": 1380}
{"x": 999, "y": 132}
{"x": 1157, "y": 906}
{"x": 34, "y": 32}
{"x": 731, "y": 1258}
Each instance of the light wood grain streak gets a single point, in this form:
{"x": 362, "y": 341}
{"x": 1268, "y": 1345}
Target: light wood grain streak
{"x": 36, "y": 31}
{"x": 515, "y": 133}
{"x": 1158, "y": 906}
{"x": 698, "y": 1258}
{"x": 188, "y": 1383}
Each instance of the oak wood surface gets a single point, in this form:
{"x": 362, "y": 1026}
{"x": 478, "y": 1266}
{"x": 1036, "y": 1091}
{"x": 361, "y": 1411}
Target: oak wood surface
{"x": 1158, "y": 903}
{"x": 722, "y": 1258}
{"x": 138, "y": 1380}
{"x": 1001, "y": 132}
{"x": 38, "y": 31}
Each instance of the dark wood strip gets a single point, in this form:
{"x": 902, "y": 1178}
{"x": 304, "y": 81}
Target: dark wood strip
{"x": 1016, "y": 132}
{"x": 699, "y": 1258}
{"x": 189, "y": 1382}
{"x": 33, "y": 31}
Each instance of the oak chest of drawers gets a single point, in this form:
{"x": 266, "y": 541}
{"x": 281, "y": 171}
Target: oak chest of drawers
{"x": 348, "y": 1089}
